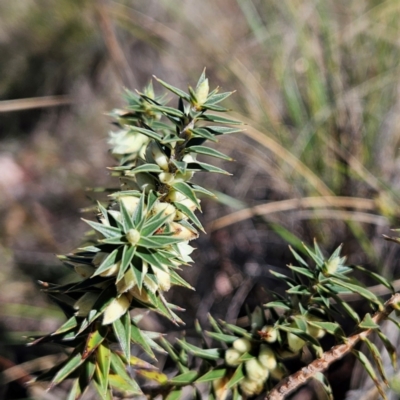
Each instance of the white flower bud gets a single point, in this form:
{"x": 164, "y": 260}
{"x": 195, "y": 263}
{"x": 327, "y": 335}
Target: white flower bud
{"x": 85, "y": 304}
{"x": 250, "y": 388}
{"x": 159, "y": 157}
{"x": 180, "y": 231}
{"x": 278, "y": 373}
{"x": 139, "y": 294}
{"x": 266, "y": 357}
{"x": 116, "y": 309}
{"x": 164, "y": 279}
{"x": 256, "y": 371}
{"x": 314, "y": 331}
{"x": 130, "y": 203}
{"x": 187, "y": 176}
{"x": 166, "y": 209}
{"x": 242, "y": 345}
{"x": 202, "y": 92}
{"x": 232, "y": 356}
{"x": 133, "y": 236}
{"x": 127, "y": 282}
{"x": 332, "y": 265}
{"x": 175, "y": 196}
{"x": 112, "y": 271}
{"x": 269, "y": 334}
{"x": 294, "y": 342}
{"x": 166, "y": 177}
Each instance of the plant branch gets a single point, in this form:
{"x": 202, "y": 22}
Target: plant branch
{"x": 292, "y": 382}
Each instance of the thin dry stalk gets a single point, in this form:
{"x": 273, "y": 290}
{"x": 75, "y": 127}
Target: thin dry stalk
{"x": 294, "y": 381}
{"x": 34, "y": 102}
{"x": 293, "y": 204}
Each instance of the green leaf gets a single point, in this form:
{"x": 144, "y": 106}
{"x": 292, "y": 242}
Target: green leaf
{"x": 377, "y": 277}
{"x": 168, "y": 111}
{"x": 106, "y": 231}
{"x": 370, "y": 370}
{"x": 200, "y": 189}
{"x": 222, "y": 130}
{"x": 147, "y": 132}
{"x": 69, "y": 366}
{"x": 93, "y": 341}
{"x": 122, "y": 330}
{"x": 189, "y": 213}
{"x": 206, "y": 354}
{"x": 209, "y": 152}
{"x": 368, "y": 323}
{"x": 202, "y": 133}
{"x": 223, "y": 337}
{"x": 103, "y": 360}
{"x": 154, "y": 168}
{"x": 389, "y": 348}
{"x": 357, "y": 289}
{"x": 154, "y": 223}
{"x": 212, "y": 375}
{"x": 174, "y": 395}
{"x": 140, "y": 338}
{"x": 173, "y": 89}
{"x": 176, "y": 279}
{"x": 333, "y": 328}
{"x": 157, "y": 241}
{"x": 185, "y": 378}
{"x": 127, "y": 255}
{"x": 236, "y": 377}
{"x": 122, "y": 385}
{"x": 75, "y": 391}
{"x": 187, "y": 191}
{"x": 201, "y": 166}
{"x": 301, "y": 334}
{"x": 218, "y": 119}
{"x": 278, "y": 304}
{"x": 111, "y": 259}
{"x": 118, "y": 367}
{"x": 156, "y": 376}
{"x": 303, "y": 271}
{"x": 217, "y": 98}
{"x": 67, "y": 326}
{"x": 376, "y": 355}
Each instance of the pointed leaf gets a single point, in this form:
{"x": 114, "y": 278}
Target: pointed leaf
{"x": 207, "y": 354}
{"x": 209, "y": 152}
{"x": 185, "y": 378}
{"x": 187, "y": 191}
{"x": 212, "y": 375}
{"x": 147, "y": 132}
{"x": 122, "y": 330}
{"x": 144, "y": 168}
{"x": 106, "y": 231}
{"x": 236, "y": 377}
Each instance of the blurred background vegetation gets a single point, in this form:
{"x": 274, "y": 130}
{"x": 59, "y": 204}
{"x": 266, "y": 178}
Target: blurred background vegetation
{"x": 317, "y": 85}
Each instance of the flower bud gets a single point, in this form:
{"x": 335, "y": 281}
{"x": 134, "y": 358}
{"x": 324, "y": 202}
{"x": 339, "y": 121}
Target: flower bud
{"x": 250, "y": 388}
{"x": 139, "y": 294}
{"x": 164, "y": 279}
{"x": 167, "y": 178}
{"x": 182, "y": 232}
{"x": 166, "y": 209}
{"x": 294, "y": 342}
{"x": 127, "y": 282}
{"x": 202, "y": 92}
{"x": 175, "y": 196}
{"x": 187, "y": 176}
{"x": 256, "y": 371}
{"x": 269, "y": 334}
{"x": 189, "y": 158}
{"x": 133, "y": 236}
{"x": 116, "y": 309}
{"x": 232, "y": 356}
{"x": 279, "y": 372}
{"x": 130, "y": 203}
{"x": 266, "y": 357}
{"x": 314, "y": 331}
{"x": 242, "y": 345}
{"x": 159, "y": 157}
{"x": 332, "y": 265}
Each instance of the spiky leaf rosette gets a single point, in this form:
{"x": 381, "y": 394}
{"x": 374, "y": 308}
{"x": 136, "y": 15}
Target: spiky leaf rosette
{"x": 139, "y": 241}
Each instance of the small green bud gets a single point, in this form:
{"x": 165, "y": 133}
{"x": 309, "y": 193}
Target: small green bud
{"x": 133, "y": 236}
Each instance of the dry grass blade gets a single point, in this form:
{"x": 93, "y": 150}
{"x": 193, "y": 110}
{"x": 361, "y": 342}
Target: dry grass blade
{"x": 293, "y": 204}
{"x": 34, "y": 102}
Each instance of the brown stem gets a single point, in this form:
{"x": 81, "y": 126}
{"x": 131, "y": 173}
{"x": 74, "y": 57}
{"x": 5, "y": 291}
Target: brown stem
{"x": 292, "y": 382}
